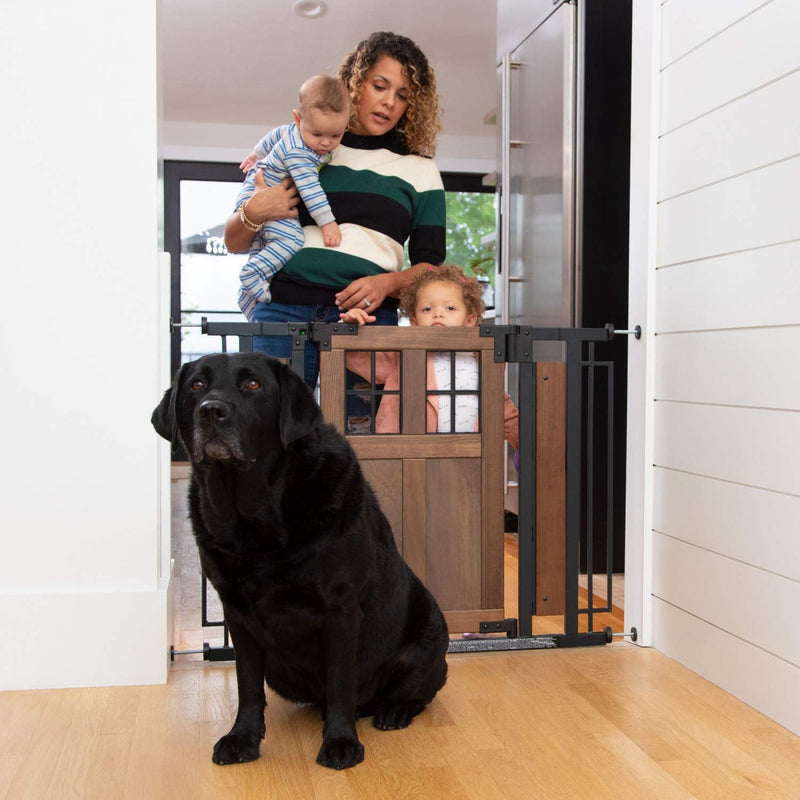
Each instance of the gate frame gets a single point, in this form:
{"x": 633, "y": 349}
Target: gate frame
{"x": 513, "y": 344}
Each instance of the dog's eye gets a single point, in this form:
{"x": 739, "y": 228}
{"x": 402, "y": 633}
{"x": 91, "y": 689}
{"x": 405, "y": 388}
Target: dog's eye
{"x": 197, "y": 385}
{"x": 252, "y": 384}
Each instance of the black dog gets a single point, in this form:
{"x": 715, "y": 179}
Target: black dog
{"x": 316, "y": 595}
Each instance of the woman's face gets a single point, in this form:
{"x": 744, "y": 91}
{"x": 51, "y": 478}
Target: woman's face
{"x": 384, "y": 98}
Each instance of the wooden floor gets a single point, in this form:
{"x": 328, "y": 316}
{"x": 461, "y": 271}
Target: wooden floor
{"x": 615, "y": 721}
{"x": 612, "y": 721}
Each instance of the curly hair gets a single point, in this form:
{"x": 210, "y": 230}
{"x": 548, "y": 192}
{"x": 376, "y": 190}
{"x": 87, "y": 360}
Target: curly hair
{"x": 449, "y": 273}
{"x": 419, "y": 127}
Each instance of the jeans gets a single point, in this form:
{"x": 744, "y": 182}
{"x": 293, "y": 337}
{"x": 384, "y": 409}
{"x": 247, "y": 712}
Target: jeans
{"x": 280, "y": 346}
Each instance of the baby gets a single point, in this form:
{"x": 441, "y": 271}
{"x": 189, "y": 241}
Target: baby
{"x": 439, "y": 297}
{"x": 298, "y": 150}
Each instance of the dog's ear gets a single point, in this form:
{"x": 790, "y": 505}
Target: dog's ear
{"x": 299, "y": 412}
{"x": 165, "y": 414}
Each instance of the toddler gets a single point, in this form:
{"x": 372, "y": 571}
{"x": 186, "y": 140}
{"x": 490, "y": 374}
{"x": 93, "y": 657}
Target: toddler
{"x": 439, "y": 297}
{"x": 298, "y": 150}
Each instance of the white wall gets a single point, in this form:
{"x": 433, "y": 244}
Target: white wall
{"x": 722, "y": 302}
{"x": 84, "y": 570}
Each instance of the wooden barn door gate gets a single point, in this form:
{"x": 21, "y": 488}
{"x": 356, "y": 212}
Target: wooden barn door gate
{"x": 443, "y": 492}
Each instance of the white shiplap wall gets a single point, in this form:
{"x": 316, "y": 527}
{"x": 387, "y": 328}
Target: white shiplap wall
{"x": 726, "y": 417}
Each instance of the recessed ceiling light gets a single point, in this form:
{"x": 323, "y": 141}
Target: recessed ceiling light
{"x": 309, "y": 8}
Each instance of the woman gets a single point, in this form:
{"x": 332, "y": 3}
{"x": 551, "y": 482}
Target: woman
{"x": 384, "y": 189}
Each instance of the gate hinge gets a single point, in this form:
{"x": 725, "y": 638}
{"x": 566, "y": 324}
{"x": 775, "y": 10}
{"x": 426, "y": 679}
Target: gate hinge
{"x": 322, "y": 331}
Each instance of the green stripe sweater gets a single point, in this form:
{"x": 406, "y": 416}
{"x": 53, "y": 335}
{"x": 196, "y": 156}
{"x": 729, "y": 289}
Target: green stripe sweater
{"x": 382, "y": 197}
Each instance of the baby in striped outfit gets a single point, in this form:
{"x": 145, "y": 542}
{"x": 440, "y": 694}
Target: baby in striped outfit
{"x": 297, "y": 151}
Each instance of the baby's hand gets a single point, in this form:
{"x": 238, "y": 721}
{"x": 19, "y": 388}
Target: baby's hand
{"x": 331, "y": 234}
{"x": 359, "y": 316}
{"x": 248, "y": 163}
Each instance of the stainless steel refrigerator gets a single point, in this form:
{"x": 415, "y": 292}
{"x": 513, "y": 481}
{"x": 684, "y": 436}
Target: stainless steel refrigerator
{"x": 563, "y": 178}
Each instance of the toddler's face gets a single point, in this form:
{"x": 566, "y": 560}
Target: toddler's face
{"x": 441, "y": 303}
{"x": 321, "y": 130}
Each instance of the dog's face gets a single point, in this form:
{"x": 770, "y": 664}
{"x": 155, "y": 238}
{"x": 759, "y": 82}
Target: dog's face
{"x": 235, "y": 408}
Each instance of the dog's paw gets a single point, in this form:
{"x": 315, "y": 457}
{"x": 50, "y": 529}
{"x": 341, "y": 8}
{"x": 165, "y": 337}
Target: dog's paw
{"x": 395, "y": 717}
{"x": 236, "y": 749}
{"x": 340, "y": 752}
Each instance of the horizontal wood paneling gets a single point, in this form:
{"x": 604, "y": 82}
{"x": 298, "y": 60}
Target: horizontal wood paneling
{"x": 752, "y": 210}
{"x": 758, "y": 49}
{"x": 754, "y": 288}
{"x": 726, "y": 481}
{"x": 685, "y": 24}
{"x": 705, "y": 151}
{"x": 738, "y": 367}
{"x": 761, "y": 679}
{"x": 751, "y": 446}
{"x": 724, "y": 518}
{"x": 753, "y": 604}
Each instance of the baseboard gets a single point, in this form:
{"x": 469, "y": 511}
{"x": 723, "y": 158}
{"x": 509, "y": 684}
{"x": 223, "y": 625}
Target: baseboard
{"x": 79, "y": 639}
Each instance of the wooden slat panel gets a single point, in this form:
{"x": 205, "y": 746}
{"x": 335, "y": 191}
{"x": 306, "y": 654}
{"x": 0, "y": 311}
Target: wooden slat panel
{"x": 413, "y": 391}
{"x": 750, "y": 446}
{"x": 415, "y": 499}
{"x": 737, "y": 367}
{"x": 756, "y": 606}
{"x": 740, "y": 290}
{"x": 550, "y": 488}
{"x": 437, "y": 445}
{"x": 403, "y": 337}
{"x": 386, "y": 478}
{"x": 493, "y": 452}
{"x": 746, "y": 212}
{"x": 750, "y": 54}
{"x": 721, "y": 517}
{"x": 454, "y": 537}
{"x": 331, "y": 387}
{"x": 704, "y": 152}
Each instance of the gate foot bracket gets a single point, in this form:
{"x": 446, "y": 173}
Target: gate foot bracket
{"x": 507, "y": 626}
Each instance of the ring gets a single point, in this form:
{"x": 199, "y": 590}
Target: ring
{"x": 366, "y": 302}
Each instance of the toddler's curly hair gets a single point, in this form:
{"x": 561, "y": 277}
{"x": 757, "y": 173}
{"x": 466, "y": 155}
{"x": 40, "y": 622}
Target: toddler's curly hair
{"x": 450, "y": 273}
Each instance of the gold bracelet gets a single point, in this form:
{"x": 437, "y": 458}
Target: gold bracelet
{"x": 246, "y": 221}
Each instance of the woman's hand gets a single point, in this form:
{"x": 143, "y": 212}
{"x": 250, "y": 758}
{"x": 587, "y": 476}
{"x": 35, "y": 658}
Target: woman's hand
{"x": 376, "y": 288}
{"x": 265, "y": 204}
{"x": 272, "y": 202}
{"x": 367, "y": 292}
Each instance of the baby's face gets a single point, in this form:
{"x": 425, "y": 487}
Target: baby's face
{"x": 321, "y": 130}
{"x": 441, "y": 303}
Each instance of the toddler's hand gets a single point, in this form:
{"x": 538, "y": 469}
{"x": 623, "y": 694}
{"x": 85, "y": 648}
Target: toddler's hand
{"x": 248, "y": 163}
{"x": 359, "y": 316}
{"x": 331, "y": 234}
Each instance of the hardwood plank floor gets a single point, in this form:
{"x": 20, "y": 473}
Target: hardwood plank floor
{"x": 615, "y": 722}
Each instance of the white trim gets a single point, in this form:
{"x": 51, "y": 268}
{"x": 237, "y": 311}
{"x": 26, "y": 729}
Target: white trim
{"x": 641, "y": 300}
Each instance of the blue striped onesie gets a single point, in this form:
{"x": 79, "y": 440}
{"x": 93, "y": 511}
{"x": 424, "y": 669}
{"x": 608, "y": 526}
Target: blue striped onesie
{"x": 283, "y": 154}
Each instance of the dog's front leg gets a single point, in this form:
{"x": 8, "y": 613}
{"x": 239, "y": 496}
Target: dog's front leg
{"x": 243, "y": 741}
{"x": 340, "y": 745}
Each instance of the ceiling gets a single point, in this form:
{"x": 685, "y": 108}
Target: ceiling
{"x": 241, "y": 62}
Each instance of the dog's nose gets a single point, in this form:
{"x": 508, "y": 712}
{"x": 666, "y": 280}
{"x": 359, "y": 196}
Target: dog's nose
{"x": 214, "y": 410}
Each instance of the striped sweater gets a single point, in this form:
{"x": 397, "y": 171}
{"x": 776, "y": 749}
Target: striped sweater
{"x": 382, "y": 197}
